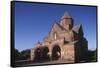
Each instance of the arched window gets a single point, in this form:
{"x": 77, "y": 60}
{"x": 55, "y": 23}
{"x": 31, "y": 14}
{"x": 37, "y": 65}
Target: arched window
{"x": 55, "y": 35}
{"x": 56, "y": 52}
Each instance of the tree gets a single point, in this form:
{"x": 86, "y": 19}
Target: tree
{"x": 17, "y": 54}
{"x": 92, "y": 55}
{"x": 25, "y": 54}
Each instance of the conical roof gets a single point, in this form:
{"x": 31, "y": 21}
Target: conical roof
{"x": 77, "y": 28}
{"x": 66, "y": 15}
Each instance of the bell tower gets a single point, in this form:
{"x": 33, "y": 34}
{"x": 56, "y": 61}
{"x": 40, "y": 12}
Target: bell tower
{"x": 66, "y": 21}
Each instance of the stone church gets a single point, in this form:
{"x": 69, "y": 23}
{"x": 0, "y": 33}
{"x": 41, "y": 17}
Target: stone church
{"x": 64, "y": 42}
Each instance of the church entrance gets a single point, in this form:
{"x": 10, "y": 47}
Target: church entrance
{"x": 56, "y": 52}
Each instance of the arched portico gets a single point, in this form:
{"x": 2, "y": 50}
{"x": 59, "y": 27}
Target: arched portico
{"x": 41, "y": 54}
{"x": 56, "y": 52}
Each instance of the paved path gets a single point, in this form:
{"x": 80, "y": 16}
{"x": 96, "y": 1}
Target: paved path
{"x": 28, "y": 63}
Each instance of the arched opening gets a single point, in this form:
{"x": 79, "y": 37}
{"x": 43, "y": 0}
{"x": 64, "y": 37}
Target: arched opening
{"x": 41, "y": 54}
{"x": 56, "y": 52}
{"x": 55, "y": 35}
{"x": 37, "y": 54}
{"x": 45, "y": 56}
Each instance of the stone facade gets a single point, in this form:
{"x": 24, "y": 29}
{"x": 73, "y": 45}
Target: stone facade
{"x": 64, "y": 42}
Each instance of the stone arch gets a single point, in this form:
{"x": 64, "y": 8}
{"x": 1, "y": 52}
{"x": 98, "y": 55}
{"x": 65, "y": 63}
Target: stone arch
{"x": 37, "y": 54}
{"x": 56, "y": 52}
{"x": 45, "y": 55}
{"x": 41, "y": 54}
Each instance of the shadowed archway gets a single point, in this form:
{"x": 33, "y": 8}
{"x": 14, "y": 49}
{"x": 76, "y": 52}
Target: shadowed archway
{"x": 41, "y": 54}
{"x": 38, "y": 55}
{"x": 45, "y": 56}
{"x": 56, "y": 52}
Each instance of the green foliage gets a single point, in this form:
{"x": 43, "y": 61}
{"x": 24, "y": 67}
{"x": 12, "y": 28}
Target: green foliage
{"x": 92, "y": 55}
{"x": 17, "y": 54}
{"x": 23, "y": 55}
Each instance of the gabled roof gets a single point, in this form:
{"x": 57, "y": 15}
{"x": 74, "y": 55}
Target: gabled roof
{"x": 77, "y": 28}
{"x": 55, "y": 27}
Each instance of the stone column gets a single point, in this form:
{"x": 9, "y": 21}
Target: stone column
{"x": 50, "y": 56}
{"x": 32, "y": 54}
{"x": 62, "y": 54}
{"x": 50, "y": 53}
